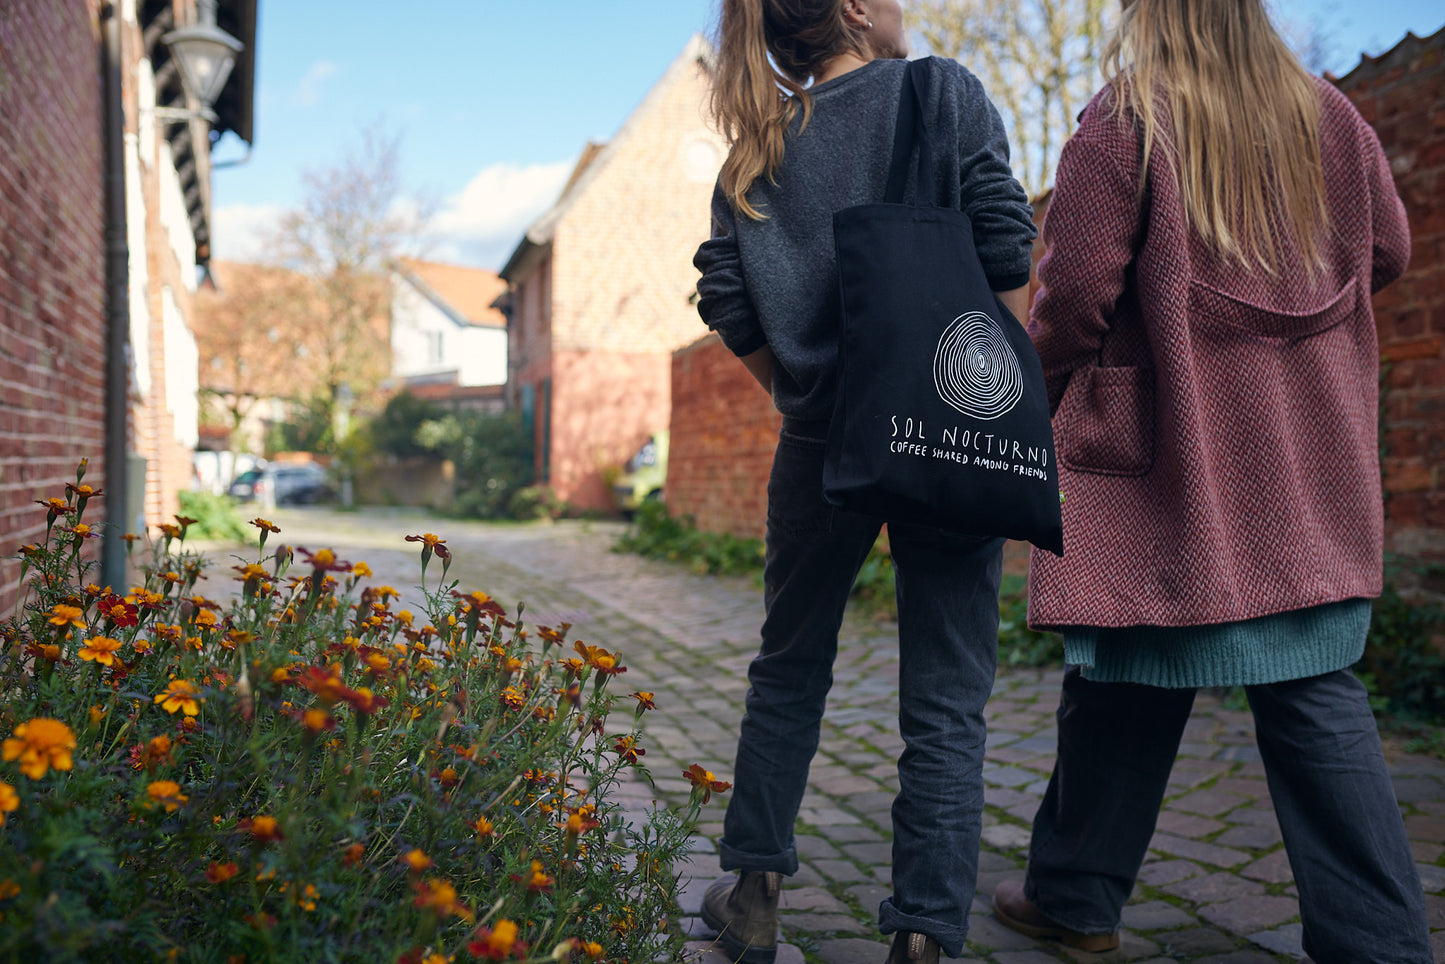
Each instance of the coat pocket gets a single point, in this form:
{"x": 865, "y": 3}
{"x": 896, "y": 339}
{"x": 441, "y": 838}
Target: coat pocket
{"x": 1105, "y": 423}
{"x": 1221, "y": 308}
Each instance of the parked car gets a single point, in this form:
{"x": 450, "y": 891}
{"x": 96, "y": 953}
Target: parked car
{"x": 283, "y": 483}
{"x": 643, "y": 475}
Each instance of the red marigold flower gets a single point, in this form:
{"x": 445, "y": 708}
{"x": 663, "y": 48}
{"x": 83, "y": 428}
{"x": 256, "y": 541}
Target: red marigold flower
{"x": 316, "y": 720}
{"x": 362, "y": 700}
{"x": 440, "y": 897}
{"x": 218, "y": 873}
{"x": 512, "y": 698}
{"x": 600, "y": 659}
{"x": 537, "y": 879}
{"x": 55, "y": 507}
{"x": 704, "y": 783}
{"x": 324, "y": 560}
{"x": 627, "y": 749}
{"x": 325, "y": 682}
{"x": 353, "y": 854}
{"x": 265, "y": 525}
{"x": 644, "y": 701}
{"x": 82, "y": 491}
{"x": 119, "y": 612}
{"x": 448, "y": 778}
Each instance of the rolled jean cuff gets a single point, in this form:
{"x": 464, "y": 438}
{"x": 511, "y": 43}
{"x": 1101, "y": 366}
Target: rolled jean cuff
{"x": 950, "y": 937}
{"x": 785, "y": 863}
{"x": 1076, "y": 924}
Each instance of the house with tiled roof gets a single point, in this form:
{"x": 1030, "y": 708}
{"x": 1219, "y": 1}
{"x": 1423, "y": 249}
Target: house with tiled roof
{"x": 599, "y": 286}
{"x": 445, "y": 326}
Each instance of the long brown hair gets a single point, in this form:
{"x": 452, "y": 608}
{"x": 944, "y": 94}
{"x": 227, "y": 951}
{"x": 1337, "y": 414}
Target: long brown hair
{"x": 767, "y": 51}
{"x": 1244, "y": 133}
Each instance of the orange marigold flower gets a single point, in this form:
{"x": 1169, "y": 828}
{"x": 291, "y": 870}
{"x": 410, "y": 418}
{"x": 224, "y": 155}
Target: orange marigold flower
{"x": 82, "y": 491}
{"x": 353, "y": 854}
{"x": 170, "y": 530}
{"x": 580, "y": 821}
{"x": 324, "y": 560}
{"x": 264, "y": 524}
{"x": 81, "y": 530}
{"x": 704, "y": 783}
{"x": 362, "y": 700}
{"x": 96, "y": 715}
{"x": 448, "y": 778}
{"x": 428, "y": 540}
{"x": 46, "y": 651}
{"x": 377, "y": 663}
{"x": 512, "y": 698}
{"x": 440, "y": 897}
{"x": 484, "y": 827}
{"x": 9, "y": 801}
{"x": 180, "y": 695}
{"x": 415, "y": 860}
{"x": 39, "y": 744}
{"x": 63, "y": 615}
{"x": 218, "y": 873}
{"x": 100, "y": 649}
{"x": 599, "y": 659}
{"x": 206, "y": 619}
{"x": 8, "y": 889}
{"x": 153, "y": 754}
{"x": 644, "y": 701}
{"x": 537, "y": 879}
{"x": 496, "y": 943}
{"x": 55, "y": 506}
{"x": 315, "y": 720}
{"x": 167, "y": 793}
{"x": 361, "y": 570}
{"x": 263, "y": 828}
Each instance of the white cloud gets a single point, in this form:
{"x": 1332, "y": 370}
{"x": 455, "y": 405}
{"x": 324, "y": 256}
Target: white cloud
{"x": 240, "y": 232}
{"x": 485, "y": 221}
{"x": 307, "y": 92}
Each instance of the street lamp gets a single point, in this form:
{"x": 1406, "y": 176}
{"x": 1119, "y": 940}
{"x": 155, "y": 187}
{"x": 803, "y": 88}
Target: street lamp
{"x": 204, "y": 54}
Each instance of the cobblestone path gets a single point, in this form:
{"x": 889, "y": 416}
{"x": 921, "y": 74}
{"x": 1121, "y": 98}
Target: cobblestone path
{"x": 1217, "y": 887}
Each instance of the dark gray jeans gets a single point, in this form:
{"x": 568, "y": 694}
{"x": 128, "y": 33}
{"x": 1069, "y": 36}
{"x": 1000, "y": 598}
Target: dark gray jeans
{"x": 1360, "y": 895}
{"x": 948, "y": 644}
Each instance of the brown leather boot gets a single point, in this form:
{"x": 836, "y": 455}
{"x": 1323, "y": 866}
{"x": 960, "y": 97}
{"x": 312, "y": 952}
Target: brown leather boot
{"x": 1016, "y": 912}
{"x": 909, "y": 946}
{"x": 744, "y": 912}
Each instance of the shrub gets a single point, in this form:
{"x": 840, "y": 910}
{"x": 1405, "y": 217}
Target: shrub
{"x": 213, "y": 516}
{"x": 397, "y": 429}
{"x": 1402, "y": 663}
{"x": 305, "y": 773}
{"x": 657, "y": 535}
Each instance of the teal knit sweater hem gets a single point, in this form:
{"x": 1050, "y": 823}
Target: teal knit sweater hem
{"x": 1269, "y": 649}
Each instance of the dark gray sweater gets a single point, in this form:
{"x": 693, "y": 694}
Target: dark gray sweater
{"x": 775, "y": 282}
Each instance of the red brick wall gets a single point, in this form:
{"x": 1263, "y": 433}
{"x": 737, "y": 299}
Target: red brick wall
{"x": 724, "y": 430}
{"x": 52, "y": 272}
{"x": 1402, "y": 94}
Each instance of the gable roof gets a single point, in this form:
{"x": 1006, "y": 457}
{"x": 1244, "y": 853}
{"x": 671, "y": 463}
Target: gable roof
{"x": 466, "y": 295}
{"x": 1408, "y": 47}
{"x": 595, "y": 158}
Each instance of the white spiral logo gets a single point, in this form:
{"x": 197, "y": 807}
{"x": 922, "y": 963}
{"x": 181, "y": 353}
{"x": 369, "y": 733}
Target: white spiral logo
{"x": 975, "y": 369}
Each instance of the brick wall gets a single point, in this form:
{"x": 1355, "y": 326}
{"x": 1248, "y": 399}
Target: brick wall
{"x": 724, "y": 430}
{"x": 52, "y": 272}
{"x": 1402, "y": 94}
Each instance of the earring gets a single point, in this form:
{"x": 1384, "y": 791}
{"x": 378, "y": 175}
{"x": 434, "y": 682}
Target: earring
{"x": 870, "y": 24}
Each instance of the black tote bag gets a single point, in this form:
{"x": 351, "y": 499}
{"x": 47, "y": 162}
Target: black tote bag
{"x": 941, "y": 416}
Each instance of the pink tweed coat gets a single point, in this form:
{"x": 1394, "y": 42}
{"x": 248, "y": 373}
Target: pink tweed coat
{"x": 1216, "y": 425}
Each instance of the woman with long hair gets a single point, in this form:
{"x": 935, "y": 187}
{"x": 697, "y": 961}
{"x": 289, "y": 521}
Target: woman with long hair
{"x": 1218, "y": 224}
{"x": 807, "y": 93}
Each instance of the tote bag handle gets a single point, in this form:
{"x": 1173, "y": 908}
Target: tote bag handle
{"x": 911, "y": 129}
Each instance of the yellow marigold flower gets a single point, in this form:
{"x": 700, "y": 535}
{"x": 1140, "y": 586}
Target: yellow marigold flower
{"x": 97, "y": 715}
{"x": 180, "y": 695}
{"x": 39, "y": 744}
{"x": 207, "y": 619}
{"x": 405, "y": 617}
{"x": 416, "y": 860}
{"x": 167, "y": 793}
{"x": 63, "y": 615}
{"x": 360, "y": 570}
{"x": 9, "y": 802}
{"x": 378, "y": 663}
{"x": 100, "y": 649}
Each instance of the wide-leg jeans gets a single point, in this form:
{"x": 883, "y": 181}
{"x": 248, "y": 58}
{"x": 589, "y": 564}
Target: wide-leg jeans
{"x": 1360, "y": 894}
{"x": 948, "y": 643}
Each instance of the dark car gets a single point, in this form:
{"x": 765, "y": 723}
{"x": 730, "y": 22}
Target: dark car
{"x": 282, "y": 483}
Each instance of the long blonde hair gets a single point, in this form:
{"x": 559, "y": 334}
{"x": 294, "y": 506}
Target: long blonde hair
{"x": 1244, "y": 122}
{"x": 767, "y": 51}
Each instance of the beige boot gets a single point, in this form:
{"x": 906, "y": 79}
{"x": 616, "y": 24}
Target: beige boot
{"x": 909, "y": 946}
{"x": 744, "y": 912}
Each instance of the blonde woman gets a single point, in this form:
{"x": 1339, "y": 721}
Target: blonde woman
{"x": 1218, "y": 224}
{"x": 807, "y": 92}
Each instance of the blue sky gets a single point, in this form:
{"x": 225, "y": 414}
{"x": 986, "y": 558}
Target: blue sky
{"x": 492, "y": 100}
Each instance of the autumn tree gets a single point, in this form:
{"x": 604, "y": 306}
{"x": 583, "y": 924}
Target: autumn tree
{"x": 1039, "y": 60}
{"x": 354, "y": 220}
{"x": 253, "y": 342}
